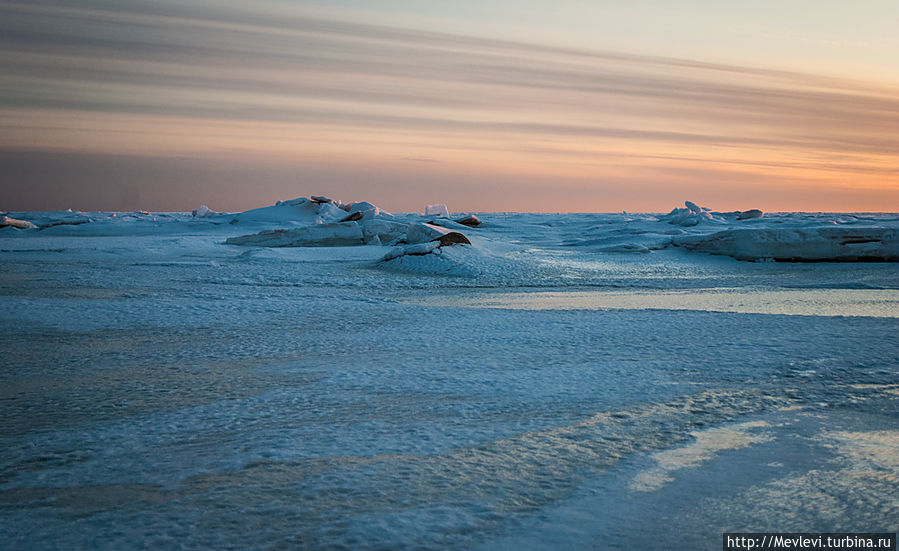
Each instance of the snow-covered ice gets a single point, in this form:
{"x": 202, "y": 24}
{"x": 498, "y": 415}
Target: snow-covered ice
{"x": 283, "y": 378}
{"x": 6, "y": 221}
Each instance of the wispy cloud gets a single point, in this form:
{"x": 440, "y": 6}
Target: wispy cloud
{"x": 166, "y": 78}
{"x": 420, "y": 159}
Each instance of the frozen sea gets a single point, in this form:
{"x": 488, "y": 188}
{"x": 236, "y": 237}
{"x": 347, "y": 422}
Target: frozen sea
{"x": 567, "y": 381}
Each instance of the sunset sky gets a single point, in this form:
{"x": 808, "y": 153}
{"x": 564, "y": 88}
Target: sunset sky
{"x": 519, "y": 105}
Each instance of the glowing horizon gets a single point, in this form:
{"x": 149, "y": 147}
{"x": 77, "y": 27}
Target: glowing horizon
{"x": 164, "y": 107}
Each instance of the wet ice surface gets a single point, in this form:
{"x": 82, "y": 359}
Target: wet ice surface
{"x": 882, "y": 303}
{"x": 161, "y": 389}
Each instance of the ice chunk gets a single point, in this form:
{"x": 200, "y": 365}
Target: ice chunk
{"x": 334, "y": 234}
{"x": 368, "y": 210}
{"x": 362, "y": 206}
{"x": 380, "y": 231}
{"x": 417, "y": 249}
{"x": 692, "y": 215}
{"x": 203, "y": 212}
{"x": 299, "y": 211}
{"x": 331, "y": 234}
{"x": 422, "y": 233}
{"x": 61, "y": 218}
{"x": 15, "y": 223}
{"x": 458, "y": 260}
{"x": 811, "y": 244}
{"x": 322, "y": 199}
{"x": 437, "y": 210}
{"x": 749, "y": 214}
{"x": 354, "y": 217}
{"x": 447, "y": 223}
{"x": 471, "y": 221}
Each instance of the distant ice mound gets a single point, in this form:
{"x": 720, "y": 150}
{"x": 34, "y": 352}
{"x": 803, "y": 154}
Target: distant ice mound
{"x": 749, "y": 214}
{"x": 300, "y": 212}
{"x": 809, "y": 244}
{"x": 203, "y": 212}
{"x": 319, "y": 222}
{"x": 324, "y": 222}
{"x": 690, "y": 215}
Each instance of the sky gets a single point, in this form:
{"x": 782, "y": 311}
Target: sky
{"x": 563, "y": 106}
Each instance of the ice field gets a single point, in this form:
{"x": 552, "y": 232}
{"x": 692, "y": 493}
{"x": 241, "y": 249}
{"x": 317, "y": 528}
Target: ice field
{"x": 320, "y": 375}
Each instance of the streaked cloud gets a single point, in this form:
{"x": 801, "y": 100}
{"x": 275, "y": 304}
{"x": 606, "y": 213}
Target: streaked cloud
{"x": 280, "y": 82}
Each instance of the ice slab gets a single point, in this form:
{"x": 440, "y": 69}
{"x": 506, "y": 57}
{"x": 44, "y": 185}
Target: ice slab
{"x": 821, "y": 244}
{"x": 15, "y": 223}
{"x": 335, "y": 234}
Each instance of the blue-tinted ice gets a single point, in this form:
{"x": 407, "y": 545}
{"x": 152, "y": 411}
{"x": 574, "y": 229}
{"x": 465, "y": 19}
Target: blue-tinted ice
{"x": 552, "y": 385}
